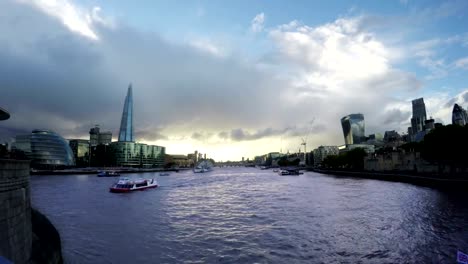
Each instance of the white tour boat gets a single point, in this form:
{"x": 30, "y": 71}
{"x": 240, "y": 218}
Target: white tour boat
{"x": 127, "y": 185}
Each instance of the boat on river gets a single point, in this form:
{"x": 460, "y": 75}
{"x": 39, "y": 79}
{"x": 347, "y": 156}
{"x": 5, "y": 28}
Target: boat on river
{"x": 164, "y": 174}
{"x": 289, "y": 172}
{"x": 127, "y": 185}
{"x": 108, "y": 174}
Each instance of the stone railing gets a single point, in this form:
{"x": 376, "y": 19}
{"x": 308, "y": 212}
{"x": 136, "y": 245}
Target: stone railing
{"x": 15, "y": 211}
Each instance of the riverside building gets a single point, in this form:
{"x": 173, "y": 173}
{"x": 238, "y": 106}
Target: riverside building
{"x": 128, "y": 153}
{"x": 46, "y": 149}
{"x": 353, "y": 129}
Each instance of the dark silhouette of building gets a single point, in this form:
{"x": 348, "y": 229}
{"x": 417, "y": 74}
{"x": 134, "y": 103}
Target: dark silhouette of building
{"x": 80, "y": 149}
{"x": 353, "y": 129}
{"x": 4, "y": 115}
{"x": 419, "y": 116}
{"x": 96, "y": 136}
{"x": 459, "y": 115}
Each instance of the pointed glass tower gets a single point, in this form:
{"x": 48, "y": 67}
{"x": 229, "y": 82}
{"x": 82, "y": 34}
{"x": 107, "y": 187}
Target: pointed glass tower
{"x": 126, "y": 125}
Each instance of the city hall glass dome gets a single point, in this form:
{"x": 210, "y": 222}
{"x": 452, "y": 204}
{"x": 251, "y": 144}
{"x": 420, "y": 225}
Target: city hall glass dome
{"x": 48, "y": 149}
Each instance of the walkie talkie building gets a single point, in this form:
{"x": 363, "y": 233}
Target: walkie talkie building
{"x": 353, "y": 129}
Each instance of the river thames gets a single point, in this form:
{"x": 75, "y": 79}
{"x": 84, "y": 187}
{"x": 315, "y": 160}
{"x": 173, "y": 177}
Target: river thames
{"x": 247, "y": 215}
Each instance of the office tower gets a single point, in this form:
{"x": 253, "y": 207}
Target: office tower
{"x": 353, "y": 129}
{"x": 419, "y": 116}
{"x": 126, "y": 125}
{"x": 459, "y": 115}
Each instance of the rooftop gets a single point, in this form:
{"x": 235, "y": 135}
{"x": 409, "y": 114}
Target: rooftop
{"x": 4, "y": 115}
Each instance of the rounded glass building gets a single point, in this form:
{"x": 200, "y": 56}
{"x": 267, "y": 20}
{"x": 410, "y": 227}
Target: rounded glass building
{"x": 50, "y": 150}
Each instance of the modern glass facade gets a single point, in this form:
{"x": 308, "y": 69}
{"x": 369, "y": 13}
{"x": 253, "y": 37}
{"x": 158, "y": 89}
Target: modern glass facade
{"x": 459, "y": 115}
{"x": 130, "y": 154}
{"x": 80, "y": 149}
{"x": 353, "y": 129}
{"x": 419, "y": 115}
{"x": 126, "y": 125}
{"x": 46, "y": 149}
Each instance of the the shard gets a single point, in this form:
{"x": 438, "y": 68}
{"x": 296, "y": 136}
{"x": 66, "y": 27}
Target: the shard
{"x": 126, "y": 125}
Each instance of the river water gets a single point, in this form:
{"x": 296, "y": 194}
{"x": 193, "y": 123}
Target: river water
{"x": 247, "y": 215}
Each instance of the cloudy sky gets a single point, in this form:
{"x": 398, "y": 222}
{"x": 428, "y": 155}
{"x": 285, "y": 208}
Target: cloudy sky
{"x": 230, "y": 78}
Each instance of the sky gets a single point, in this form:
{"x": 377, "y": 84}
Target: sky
{"x": 231, "y": 79}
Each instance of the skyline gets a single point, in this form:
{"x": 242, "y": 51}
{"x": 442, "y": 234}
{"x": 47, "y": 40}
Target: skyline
{"x": 229, "y": 79}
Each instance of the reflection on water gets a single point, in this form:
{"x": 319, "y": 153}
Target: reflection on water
{"x": 246, "y": 215}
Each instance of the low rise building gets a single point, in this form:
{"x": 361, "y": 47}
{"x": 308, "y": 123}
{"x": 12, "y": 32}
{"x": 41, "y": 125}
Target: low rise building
{"x": 322, "y": 152}
{"x": 400, "y": 161}
{"x": 131, "y": 154}
{"x": 366, "y": 147}
{"x": 178, "y": 161}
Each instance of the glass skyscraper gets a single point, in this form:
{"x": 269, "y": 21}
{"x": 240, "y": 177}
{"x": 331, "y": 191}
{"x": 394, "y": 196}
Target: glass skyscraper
{"x": 353, "y": 129}
{"x": 126, "y": 125}
{"x": 459, "y": 115}
{"x": 128, "y": 153}
{"x": 419, "y": 115}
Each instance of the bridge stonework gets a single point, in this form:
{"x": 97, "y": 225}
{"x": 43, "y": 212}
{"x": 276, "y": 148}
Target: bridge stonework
{"x": 15, "y": 211}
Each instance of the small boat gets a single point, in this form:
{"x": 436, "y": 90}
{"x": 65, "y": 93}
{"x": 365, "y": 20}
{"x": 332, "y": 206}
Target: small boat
{"x": 108, "y": 174}
{"x": 164, "y": 174}
{"x": 289, "y": 172}
{"x": 275, "y": 170}
{"x": 127, "y": 185}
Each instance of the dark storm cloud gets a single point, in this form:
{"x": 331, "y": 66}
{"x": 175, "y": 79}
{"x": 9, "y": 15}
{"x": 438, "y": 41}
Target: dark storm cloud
{"x": 396, "y": 116}
{"x": 240, "y": 134}
{"x": 53, "y": 78}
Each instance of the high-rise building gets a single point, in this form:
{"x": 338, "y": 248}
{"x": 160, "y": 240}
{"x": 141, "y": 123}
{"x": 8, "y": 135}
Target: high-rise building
{"x": 353, "y": 129}
{"x": 459, "y": 116}
{"x": 96, "y": 137}
{"x": 126, "y": 125}
{"x": 126, "y": 152}
{"x": 419, "y": 115}
{"x": 80, "y": 149}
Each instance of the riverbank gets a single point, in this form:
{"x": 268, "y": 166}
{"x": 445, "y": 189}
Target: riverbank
{"x": 97, "y": 170}
{"x": 433, "y": 181}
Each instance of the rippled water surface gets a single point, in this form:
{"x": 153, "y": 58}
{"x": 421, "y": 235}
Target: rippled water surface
{"x": 246, "y": 215}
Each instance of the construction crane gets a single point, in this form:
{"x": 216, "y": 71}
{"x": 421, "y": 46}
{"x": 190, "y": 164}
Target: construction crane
{"x": 304, "y": 141}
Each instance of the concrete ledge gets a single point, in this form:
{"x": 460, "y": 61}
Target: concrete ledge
{"x": 15, "y": 211}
